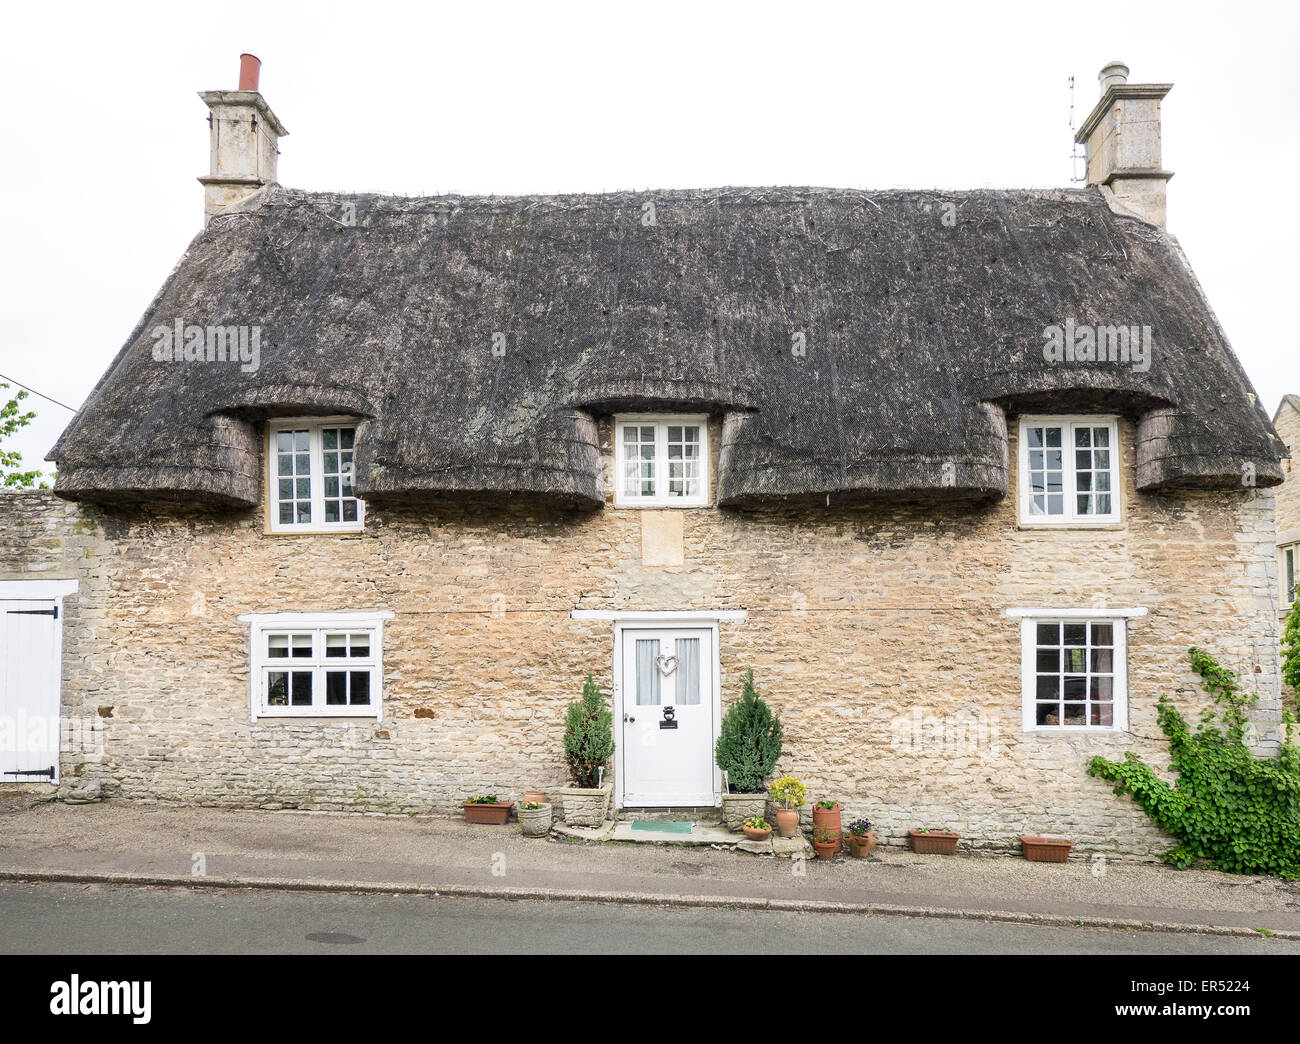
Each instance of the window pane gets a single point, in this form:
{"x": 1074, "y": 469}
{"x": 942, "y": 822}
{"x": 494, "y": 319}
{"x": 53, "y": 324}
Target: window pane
{"x": 1049, "y": 660}
{"x": 284, "y": 442}
{"x": 1053, "y": 437}
{"x": 336, "y": 645}
{"x": 330, "y": 440}
{"x": 346, "y": 437}
{"x": 336, "y": 687}
{"x": 1048, "y": 687}
{"x": 301, "y": 688}
{"x": 1073, "y": 688}
{"x": 360, "y": 687}
{"x": 1075, "y": 714}
{"x": 301, "y": 441}
{"x": 1048, "y": 714}
{"x": 1035, "y": 437}
{"x": 361, "y": 645}
{"x": 1103, "y": 714}
{"x": 1103, "y": 634}
{"x": 1101, "y": 661}
{"x": 302, "y": 645}
{"x": 687, "y": 674}
{"x": 1076, "y": 634}
{"x": 277, "y": 645}
{"x": 277, "y": 689}
{"x": 647, "y": 672}
{"x": 1049, "y": 634}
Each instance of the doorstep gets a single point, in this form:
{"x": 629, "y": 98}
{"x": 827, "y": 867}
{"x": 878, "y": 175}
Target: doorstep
{"x": 700, "y": 834}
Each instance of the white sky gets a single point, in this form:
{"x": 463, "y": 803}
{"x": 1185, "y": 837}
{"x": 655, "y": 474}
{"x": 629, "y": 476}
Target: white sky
{"x": 105, "y": 134}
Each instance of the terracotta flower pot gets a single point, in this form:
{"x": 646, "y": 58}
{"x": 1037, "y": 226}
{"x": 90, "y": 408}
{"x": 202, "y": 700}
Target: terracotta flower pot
{"x": 933, "y": 842}
{"x": 787, "y": 821}
{"x": 860, "y": 845}
{"x": 755, "y": 834}
{"x": 826, "y": 849}
{"x": 827, "y": 817}
{"x": 491, "y": 815}
{"x": 535, "y": 797}
{"x": 1046, "y": 849}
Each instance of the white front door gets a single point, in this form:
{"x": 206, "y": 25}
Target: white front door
{"x": 669, "y": 707}
{"x": 29, "y": 691}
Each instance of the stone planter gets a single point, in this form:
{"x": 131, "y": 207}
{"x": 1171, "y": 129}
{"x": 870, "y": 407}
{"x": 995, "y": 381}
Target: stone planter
{"x": 535, "y": 822}
{"x": 583, "y": 807}
{"x": 736, "y": 808}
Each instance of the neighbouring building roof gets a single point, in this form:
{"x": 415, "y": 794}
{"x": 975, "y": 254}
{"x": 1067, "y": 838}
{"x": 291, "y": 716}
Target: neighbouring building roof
{"x": 921, "y": 334}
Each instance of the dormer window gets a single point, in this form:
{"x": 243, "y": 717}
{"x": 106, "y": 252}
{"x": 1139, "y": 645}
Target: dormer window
{"x": 1069, "y": 470}
{"x": 310, "y": 477}
{"x": 661, "y": 461}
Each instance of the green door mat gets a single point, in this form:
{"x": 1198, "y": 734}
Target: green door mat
{"x": 661, "y": 828}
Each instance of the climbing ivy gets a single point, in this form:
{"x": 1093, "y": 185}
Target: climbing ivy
{"x": 1291, "y": 647}
{"x": 1239, "y": 811}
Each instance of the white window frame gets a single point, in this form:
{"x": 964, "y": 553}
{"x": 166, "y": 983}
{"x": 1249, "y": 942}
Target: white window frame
{"x": 314, "y": 425}
{"x": 1029, "y": 621}
{"x": 319, "y": 625}
{"x": 661, "y": 423}
{"x": 1071, "y": 516}
{"x": 1288, "y": 597}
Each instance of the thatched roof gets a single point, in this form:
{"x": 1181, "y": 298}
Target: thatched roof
{"x": 921, "y": 335}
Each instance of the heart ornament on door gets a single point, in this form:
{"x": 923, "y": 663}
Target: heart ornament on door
{"x": 666, "y": 664}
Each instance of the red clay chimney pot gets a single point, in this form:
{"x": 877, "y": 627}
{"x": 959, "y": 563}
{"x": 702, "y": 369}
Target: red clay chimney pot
{"x": 249, "y": 68}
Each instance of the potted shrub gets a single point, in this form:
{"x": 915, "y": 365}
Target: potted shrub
{"x": 826, "y": 842}
{"x": 789, "y": 794}
{"x": 749, "y": 743}
{"x": 757, "y": 829}
{"x": 534, "y": 818}
{"x": 588, "y": 746}
{"x": 934, "y": 841}
{"x": 862, "y": 838}
{"x": 486, "y": 809}
{"x": 1046, "y": 849}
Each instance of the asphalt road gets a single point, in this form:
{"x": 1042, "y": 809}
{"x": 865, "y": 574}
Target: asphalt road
{"x": 40, "y": 918}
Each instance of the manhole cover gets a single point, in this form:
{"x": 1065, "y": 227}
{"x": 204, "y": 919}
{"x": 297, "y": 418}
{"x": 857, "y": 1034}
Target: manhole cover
{"x": 339, "y": 938}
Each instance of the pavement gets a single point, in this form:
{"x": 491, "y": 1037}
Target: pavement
{"x": 117, "y": 842}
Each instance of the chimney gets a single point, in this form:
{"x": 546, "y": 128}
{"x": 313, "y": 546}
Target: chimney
{"x": 1122, "y": 138}
{"x": 244, "y": 136}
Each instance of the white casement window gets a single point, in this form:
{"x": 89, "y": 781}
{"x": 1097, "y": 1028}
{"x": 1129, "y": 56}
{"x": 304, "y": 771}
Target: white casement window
{"x": 1074, "y": 672}
{"x": 1288, "y": 558}
{"x": 1069, "y": 470}
{"x": 661, "y": 461}
{"x": 316, "y": 665}
{"x": 310, "y": 476}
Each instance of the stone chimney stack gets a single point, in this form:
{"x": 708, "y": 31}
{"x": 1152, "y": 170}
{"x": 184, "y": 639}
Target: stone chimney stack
{"x": 1122, "y": 138}
{"x": 244, "y": 136}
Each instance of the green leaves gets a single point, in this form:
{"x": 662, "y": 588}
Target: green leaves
{"x": 11, "y": 419}
{"x": 588, "y": 735}
{"x": 1239, "y": 811}
{"x": 749, "y": 741}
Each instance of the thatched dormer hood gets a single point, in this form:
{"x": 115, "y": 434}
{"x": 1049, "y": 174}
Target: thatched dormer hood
{"x": 481, "y": 338}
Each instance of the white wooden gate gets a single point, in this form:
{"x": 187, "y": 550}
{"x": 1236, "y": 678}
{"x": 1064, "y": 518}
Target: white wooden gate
{"x": 30, "y": 669}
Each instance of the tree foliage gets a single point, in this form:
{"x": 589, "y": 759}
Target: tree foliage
{"x": 12, "y": 417}
{"x": 1239, "y": 811}
{"x": 588, "y": 735}
{"x": 749, "y": 741}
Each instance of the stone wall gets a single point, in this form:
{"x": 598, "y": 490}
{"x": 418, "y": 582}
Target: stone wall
{"x": 862, "y": 622}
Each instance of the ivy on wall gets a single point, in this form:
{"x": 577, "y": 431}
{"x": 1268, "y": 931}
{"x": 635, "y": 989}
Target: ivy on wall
{"x": 1239, "y": 811}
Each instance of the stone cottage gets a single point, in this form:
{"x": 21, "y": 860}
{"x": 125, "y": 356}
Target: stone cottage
{"x": 377, "y": 481}
{"x": 1287, "y": 423}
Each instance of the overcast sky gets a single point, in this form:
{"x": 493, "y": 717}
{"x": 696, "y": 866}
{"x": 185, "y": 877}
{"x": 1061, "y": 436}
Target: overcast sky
{"x": 105, "y": 135}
